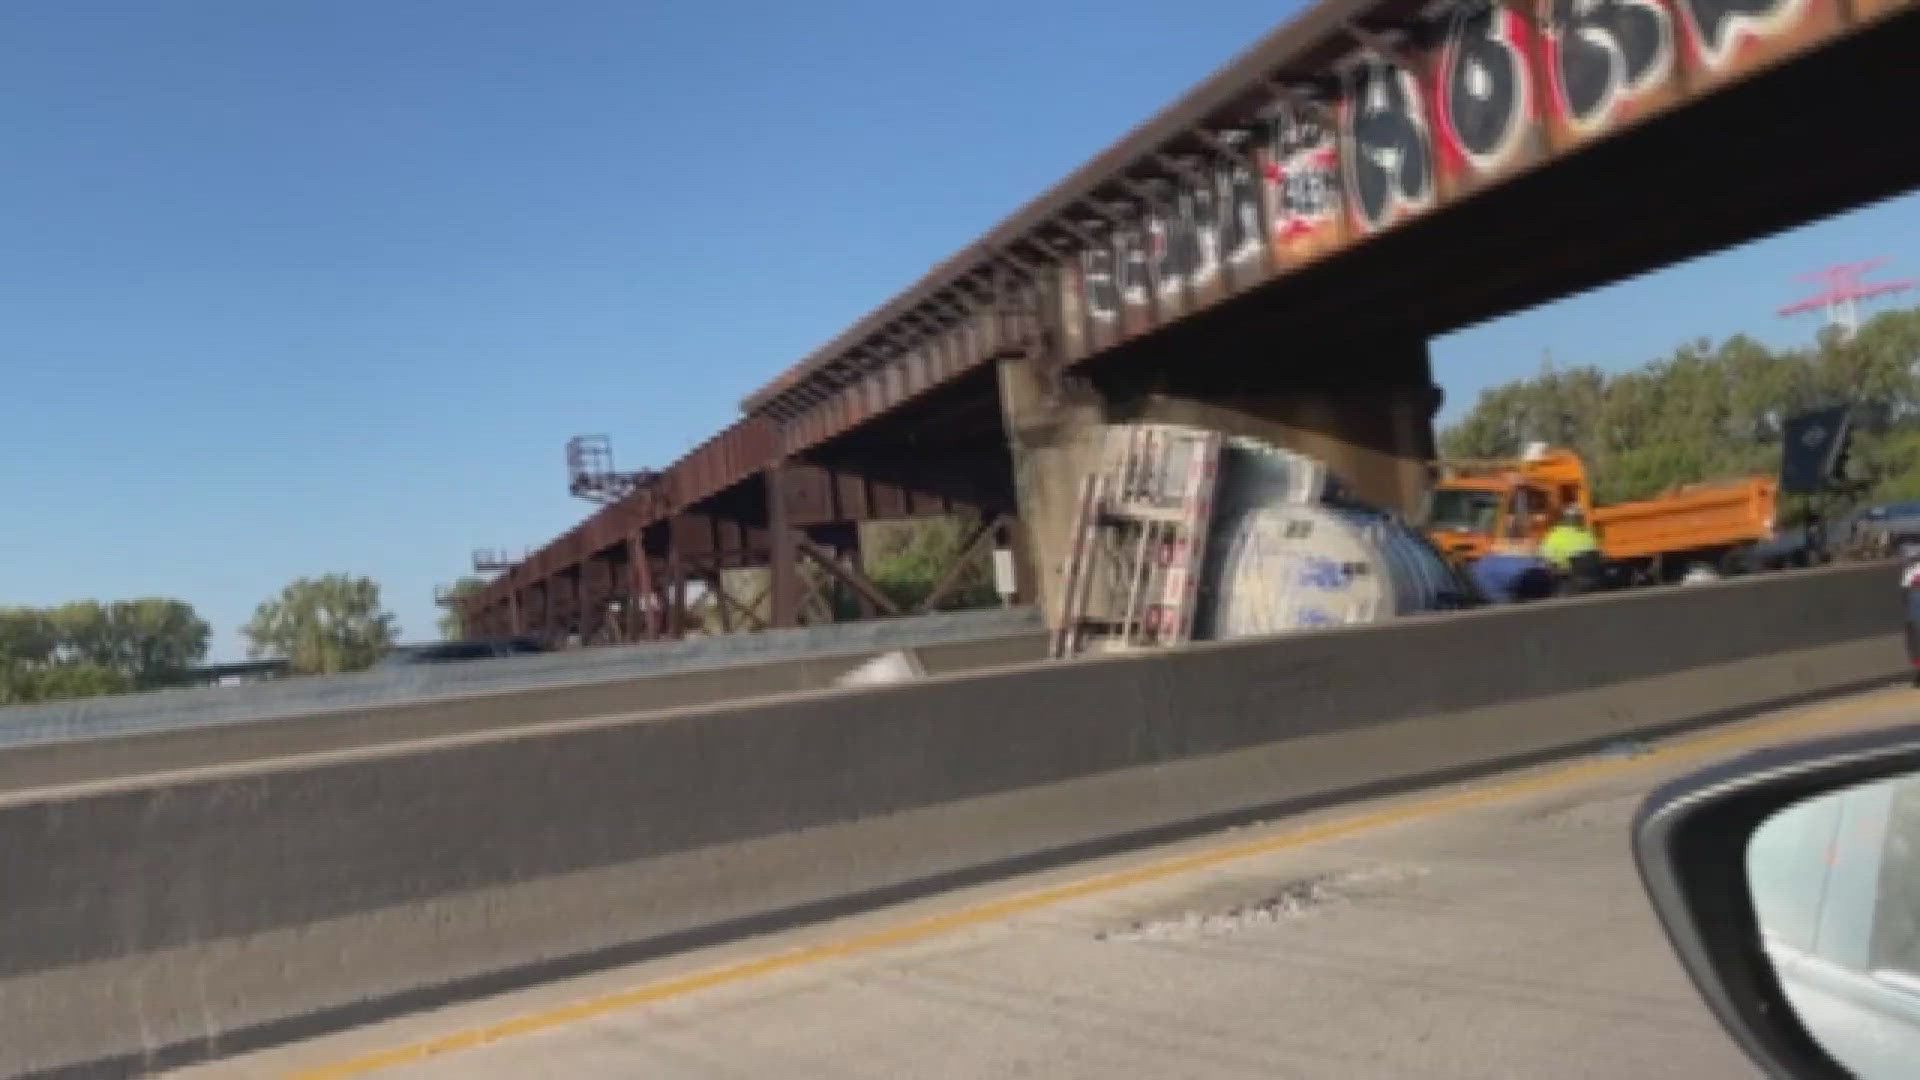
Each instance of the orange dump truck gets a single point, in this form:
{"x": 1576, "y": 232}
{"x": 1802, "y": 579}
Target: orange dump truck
{"x": 1508, "y": 506}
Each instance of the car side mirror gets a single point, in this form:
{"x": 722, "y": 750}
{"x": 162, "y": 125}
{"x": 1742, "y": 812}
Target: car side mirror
{"x": 1788, "y": 882}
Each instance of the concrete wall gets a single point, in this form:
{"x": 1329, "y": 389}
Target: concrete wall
{"x": 141, "y": 917}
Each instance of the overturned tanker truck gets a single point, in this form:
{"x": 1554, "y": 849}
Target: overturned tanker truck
{"x": 1185, "y": 534}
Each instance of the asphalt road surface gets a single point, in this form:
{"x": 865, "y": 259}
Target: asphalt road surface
{"x": 1491, "y": 929}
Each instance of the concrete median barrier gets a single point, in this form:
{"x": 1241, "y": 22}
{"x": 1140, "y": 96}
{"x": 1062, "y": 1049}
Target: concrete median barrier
{"x": 149, "y": 920}
{"x": 752, "y": 656}
{"x": 200, "y": 745}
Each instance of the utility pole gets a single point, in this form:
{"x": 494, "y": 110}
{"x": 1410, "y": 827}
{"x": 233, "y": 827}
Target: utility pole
{"x": 1843, "y": 293}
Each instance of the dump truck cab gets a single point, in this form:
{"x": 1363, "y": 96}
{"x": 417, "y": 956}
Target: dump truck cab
{"x": 1508, "y": 506}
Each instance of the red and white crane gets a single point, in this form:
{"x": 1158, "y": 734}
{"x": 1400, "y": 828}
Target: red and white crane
{"x": 1843, "y": 293}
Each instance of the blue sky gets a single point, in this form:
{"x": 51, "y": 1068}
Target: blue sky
{"x": 301, "y": 287}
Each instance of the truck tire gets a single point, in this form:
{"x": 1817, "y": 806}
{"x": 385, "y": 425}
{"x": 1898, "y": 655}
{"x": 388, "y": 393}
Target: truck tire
{"x": 1737, "y": 561}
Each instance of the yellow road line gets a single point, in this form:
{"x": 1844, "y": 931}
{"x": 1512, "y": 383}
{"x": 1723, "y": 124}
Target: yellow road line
{"x": 1680, "y": 750}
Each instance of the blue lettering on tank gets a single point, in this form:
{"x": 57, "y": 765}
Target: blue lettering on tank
{"x": 1320, "y": 573}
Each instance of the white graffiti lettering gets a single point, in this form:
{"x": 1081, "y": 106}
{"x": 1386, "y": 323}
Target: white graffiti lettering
{"x": 1100, "y": 283}
{"x": 1303, "y": 166}
{"x": 1182, "y": 242}
{"x": 1238, "y": 201}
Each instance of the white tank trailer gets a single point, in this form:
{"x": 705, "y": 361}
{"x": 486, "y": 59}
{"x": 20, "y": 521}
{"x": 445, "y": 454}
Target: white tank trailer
{"x": 1289, "y": 550}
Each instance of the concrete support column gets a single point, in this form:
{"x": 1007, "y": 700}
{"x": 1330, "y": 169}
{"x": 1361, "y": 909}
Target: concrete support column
{"x": 1053, "y": 426}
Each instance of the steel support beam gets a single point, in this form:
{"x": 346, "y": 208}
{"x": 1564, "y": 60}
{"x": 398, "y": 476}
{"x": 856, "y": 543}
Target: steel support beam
{"x": 783, "y": 565}
{"x": 982, "y": 531}
{"x": 851, "y": 577}
{"x": 732, "y": 609}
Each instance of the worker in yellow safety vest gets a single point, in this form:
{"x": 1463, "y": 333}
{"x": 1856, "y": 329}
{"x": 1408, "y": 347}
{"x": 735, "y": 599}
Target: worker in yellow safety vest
{"x": 1569, "y": 538}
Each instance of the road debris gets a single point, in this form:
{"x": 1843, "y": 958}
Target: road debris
{"x": 1293, "y": 900}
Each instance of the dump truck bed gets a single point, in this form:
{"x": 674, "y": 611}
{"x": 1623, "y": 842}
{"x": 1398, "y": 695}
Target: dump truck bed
{"x": 1697, "y": 517}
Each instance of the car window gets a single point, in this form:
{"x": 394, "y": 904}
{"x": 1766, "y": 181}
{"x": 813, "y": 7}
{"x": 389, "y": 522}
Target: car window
{"x": 1862, "y": 910}
{"x": 1895, "y": 946}
{"x": 1464, "y": 510}
{"x": 1787, "y": 898}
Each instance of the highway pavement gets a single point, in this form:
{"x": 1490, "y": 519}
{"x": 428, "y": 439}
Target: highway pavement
{"x": 1488, "y": 929}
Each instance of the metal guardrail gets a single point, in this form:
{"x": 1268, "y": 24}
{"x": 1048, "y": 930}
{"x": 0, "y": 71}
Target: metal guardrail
{"x": 165, "y": 710}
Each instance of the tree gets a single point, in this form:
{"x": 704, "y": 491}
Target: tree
{"x": 155, "y": 640}
{"x": 1708, "y": 411}
{"x": 453, "y": 619}
{"x": 148, "y": 641}
{"x": 26, "y": 636}
{"x": 323, "y": 625}
{"x": 86, "y": 647}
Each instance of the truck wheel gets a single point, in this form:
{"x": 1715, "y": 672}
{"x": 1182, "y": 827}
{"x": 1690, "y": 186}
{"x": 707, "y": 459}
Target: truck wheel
{"x": 1736, "y": 561}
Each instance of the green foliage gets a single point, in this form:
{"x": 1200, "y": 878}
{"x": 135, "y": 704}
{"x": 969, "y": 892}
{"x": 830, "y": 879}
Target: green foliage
{"x": 908, "y": 559}
{"x": 86, "y": 648}
{"x": 150, "y": 641}
{"x": 27, "y": 636}
{"x": 24, "y": 683}
{"x": 323, "y": 625}
{"x": 453, "y": 625}
{"x": 1710, "y": 411}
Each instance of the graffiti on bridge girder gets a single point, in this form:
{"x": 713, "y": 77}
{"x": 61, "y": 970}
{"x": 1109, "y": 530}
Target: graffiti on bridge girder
{"x": 1182, "y": 242}
{"x": 1611, "y": 61}
{"x": 1301, "y": 166}
{"x": 1388, "y": 161}
{"x": 1486, "y": 111}
{"x": 1478, "y": 89}
{"x": 1718, "y": 28}
{"x": 1100, "y": 280}
{"x": 1605, "y": 58}
{"x": 1183, "y": 247}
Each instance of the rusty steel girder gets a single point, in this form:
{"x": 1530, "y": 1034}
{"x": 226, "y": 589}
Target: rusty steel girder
{"x": 687, "y": 539}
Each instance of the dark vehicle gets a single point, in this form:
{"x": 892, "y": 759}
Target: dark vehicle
{"x": 1788, "y": 881}
{"x": 1897, "y": 525}
{"x": 1886, "y": 529}
{"x": 450, "y": 652}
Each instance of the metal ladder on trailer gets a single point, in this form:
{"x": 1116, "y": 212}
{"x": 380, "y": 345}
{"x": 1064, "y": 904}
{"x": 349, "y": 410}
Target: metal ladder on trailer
{"x": 1131, "y": 578}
